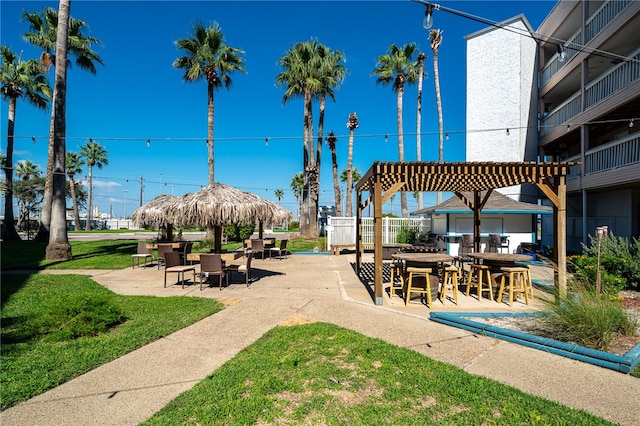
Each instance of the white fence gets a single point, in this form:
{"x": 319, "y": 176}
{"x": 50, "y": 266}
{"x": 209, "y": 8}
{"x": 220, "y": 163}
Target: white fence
{"x": 342, "y": 230}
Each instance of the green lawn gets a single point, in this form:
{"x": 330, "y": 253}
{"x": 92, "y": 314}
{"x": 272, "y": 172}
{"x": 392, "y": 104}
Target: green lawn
{"x": 57, "y": 327}
{"x": 322, "y": 374}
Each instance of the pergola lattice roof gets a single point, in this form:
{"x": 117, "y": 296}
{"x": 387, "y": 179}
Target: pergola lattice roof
{"x": 458, "y": 177}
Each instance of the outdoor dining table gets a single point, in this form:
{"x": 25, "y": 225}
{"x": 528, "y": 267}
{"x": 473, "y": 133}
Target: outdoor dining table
{"x": 226, "y": 256}
{"x": 423, "y": 260}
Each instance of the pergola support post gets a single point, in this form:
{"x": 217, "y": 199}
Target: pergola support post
{"x": 377, "y": 232}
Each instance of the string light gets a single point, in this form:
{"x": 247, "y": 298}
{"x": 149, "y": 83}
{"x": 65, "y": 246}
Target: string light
{"x": 148, "y": 142}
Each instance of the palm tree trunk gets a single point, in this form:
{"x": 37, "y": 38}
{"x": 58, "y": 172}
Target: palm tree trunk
{"x": 210, "y": 107}
{"x": 349, "y": 208}
{"x": 336, "y": 183}
{"x": 45, "y": 214}
{"x": 403, "y": 195}
{"x": 421, "y": 58}
{"x": 59, "y": 247}
{"x": 436, "y": 78}
{"x": 304, "y": 214}
{"x": 11, "y": 234}
{"x": 74, "y": 198}
{"x": 87, "y": 226}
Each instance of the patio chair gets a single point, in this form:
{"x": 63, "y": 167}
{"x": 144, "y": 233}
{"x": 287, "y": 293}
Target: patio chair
{"x": 496, "y": 243}
{"x": 280, "y": 250}
{"x": 466, "y": 247}
{"x": 144, "y": 253}
{"x": 184, "y": 252}
{"x": 243, "y": 269}
{"x": 162, "y": 250}
{"x": 172, "y": 265}
{"x": 211, "y": 265}
{"x": 257, "y": 246}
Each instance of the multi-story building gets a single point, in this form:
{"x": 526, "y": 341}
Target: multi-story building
{"x": 585, "y": 98}
{"x": 590, "y": 111}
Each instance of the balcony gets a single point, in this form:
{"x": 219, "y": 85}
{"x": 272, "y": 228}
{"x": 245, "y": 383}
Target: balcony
{"x": 614, "y": 155}
{"x": 615, "y": 80}
{"x": 607, "y": 12}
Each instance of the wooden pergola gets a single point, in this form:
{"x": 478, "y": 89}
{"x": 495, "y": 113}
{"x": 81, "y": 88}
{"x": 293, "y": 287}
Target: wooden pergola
{"x": 383, "y": 179}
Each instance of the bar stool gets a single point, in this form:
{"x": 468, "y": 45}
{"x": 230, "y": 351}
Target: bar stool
{"x": 517, "y": 277}
{"x": 481, "y": 273}
{"x": 528, "y": 282}
{"x": 418, "y": 272}
{"x": 450, "y": 281}
{"x": 397, "y": 268}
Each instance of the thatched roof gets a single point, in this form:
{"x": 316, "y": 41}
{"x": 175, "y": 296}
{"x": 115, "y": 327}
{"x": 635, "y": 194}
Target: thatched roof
{"x": 154, "y": 212}
{"x": 220, "y": 204}
{"x": 497, "y": 203}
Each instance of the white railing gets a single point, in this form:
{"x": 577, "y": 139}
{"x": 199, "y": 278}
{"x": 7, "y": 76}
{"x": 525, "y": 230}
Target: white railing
{"x": 562, "y": 114}
{"x": 342, "y": 230}
{"x": 571, "y": 48}
{"x": 618, "y": 78}
{"x": 613, "y": 155}
{"x": 606, "y": 13}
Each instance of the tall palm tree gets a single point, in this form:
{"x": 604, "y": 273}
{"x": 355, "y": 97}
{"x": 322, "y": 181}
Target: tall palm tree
{"x": 95, "y": 155}
{"x": 297, "y": 185}
{"x": 43, "y": 29}
{"x": 73, "y": 164}
{"x": 18, "y": 79}
{"x": 397, "y": 68}
{"x": 331, "y": 141}
{"x": 354, "y": 176}
{"x": 436, "y": 40}
{"x": 421, "y": 58}
{"x": 352, "y": 125}
{"x": 207, "y": 57}
{"x": 331, "y": 73}
{"x": 59, "y": 247}
{"x": 300, "y": 78}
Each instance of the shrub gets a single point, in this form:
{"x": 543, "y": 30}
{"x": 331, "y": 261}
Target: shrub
{"x": 618, "y": 257}
{"x": 587, "y": 319}
{"x": 408, "y": 234}
{"x": 585, "y": 269}
{"x": 239, "y": 232}
{"x": 293, "y": 225}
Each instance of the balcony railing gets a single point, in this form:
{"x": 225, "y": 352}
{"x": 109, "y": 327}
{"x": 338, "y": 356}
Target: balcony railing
{"x": 623, "y": 152}
{"x": 571, "y": 48}
{"x": 615, "y": 80}
{"x": 606, "y": 13}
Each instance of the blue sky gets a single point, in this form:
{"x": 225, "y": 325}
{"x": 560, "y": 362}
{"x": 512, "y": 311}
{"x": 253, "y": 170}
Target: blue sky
{"x": 138, "y": 95}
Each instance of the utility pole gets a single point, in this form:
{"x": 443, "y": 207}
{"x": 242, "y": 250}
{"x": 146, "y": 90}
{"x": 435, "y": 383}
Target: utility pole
{"x": 141, "y": 189}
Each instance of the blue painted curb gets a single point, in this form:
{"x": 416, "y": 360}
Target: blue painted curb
{"x": 623, "y": 363}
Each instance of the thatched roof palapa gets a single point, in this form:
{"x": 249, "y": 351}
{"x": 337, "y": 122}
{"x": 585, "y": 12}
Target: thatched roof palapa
{"x": 154, "y": 212}
{"x": 220, "y": 204}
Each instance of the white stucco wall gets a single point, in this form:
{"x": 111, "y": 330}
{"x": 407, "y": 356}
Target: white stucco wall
{"x": 500, "y": 88}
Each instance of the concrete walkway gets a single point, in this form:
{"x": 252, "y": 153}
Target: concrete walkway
{"x": 298, "y": 289}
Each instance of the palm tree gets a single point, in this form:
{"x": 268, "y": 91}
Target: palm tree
{"x": 207, "y": 57}
{"x": 297, "y": 185}
{"x": 95, "y": 155}
{"x": 345, "y": 176}
{"x": 43, "y": 30}
{"x": 397, "y": 68}
{"x": 73, "y": 164}
{"x": 300, "y": 78}
{"x": 18, "y": 79}
{"x": 26, "y": 170}
{"x": 279, "y": 193}
{"x": 331, "y": 141}
{"x": 331, "y": 73}
{"x": 352, "y": 125}
{"x": 436, "y": 40}
{"x": 421, "y": 58}
{"x": 59, "y": 247}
